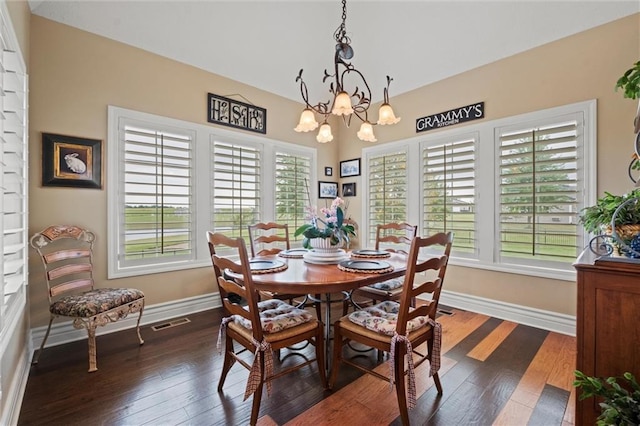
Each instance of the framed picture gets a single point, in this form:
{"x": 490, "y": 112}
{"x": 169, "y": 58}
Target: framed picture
{"x": 71, "y": 161}
{"x": 327, "y": 189}
{"x": 328, "y": 171}
{"x": 349, "y": 189}
{"x": 350, "y": 168}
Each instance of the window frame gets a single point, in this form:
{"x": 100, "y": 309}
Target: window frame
{"x": 202, "y": 176}
{"x": 487, "y": 175}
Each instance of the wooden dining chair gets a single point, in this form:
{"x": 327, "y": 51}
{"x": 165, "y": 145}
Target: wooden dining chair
{"x": 66, "y": 252}
{"x": 399, "y": 328}
{"x": 394, "y": 238}
{"x": 261, "y": 326}
{"x": 270, "y": 238}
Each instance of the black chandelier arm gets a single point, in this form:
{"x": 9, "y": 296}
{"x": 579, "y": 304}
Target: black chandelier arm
{"x": 321, "y": 108}
{"x": 364, "y": 98}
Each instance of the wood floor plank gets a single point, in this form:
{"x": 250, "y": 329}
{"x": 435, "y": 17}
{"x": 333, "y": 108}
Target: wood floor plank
{"x": 550, "y": 408}
{"x": 537, "y": 374}
{"x": 513, "y": 413}
{"x": 492, "y": 341}
{"x": 562, "y": 374}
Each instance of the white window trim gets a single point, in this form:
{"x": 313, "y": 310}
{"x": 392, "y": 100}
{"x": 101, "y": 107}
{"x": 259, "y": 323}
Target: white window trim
{"x": 486, "y": 173}
{"x": 203, "y": 135}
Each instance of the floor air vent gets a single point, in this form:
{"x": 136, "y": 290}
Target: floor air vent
{"x": 445, "y": 312}
{"x": 172, "y": 323}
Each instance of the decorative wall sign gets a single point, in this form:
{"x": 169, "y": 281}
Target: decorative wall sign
{"x": 71, "y": 161}
{"x": 232, "y": 113}
{"x": 451, "y": 117}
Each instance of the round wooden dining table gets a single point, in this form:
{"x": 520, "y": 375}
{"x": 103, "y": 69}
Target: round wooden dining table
{"x": 302, "y": 277}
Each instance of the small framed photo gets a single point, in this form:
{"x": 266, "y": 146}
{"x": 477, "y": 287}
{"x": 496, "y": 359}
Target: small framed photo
{"x": 327, "y": 189}
{"x": 328, "y": 171}
{"x": 71, "y": 161}
{"x": 350, "y": 168}
{"x": 349, "y": 189}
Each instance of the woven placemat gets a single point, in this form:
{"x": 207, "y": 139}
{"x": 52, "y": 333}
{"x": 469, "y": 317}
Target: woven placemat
{"x": 278, "y": 268}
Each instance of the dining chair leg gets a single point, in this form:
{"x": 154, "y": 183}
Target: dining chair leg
{"x": 318, "y": 306}
{"x": 46, "y": 335}
{"x": 228, "y": 362}
{"x": 400, "y": 386}
{"x": 257, "y": 397}
{"x": 320, "y": 355}
{"x": 91, "y": 331}
{"x": 337, "y": 354}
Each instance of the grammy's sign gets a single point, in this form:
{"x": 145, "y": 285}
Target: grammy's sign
{"x": 451, "y": 117}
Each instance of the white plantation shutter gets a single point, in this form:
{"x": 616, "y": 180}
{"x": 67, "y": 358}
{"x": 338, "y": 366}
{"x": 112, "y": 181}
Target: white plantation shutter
{"x": 13, "y": 177}
{"x": 538, "y": 190}
{"x": 449, "y": 191}
{"x": 387, "y": 189}
{"x": 292, "y": 183}
{"x": 236, "y": 199}
{"x": 157, "y": 195}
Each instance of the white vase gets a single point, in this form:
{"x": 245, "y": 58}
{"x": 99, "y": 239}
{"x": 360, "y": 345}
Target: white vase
{"x": 323, "y": 245}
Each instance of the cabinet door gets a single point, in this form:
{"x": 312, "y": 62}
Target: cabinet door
{"x": 609, "y": 328}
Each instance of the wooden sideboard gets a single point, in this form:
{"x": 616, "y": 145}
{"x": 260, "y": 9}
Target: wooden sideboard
{"x": 608, "y": 322}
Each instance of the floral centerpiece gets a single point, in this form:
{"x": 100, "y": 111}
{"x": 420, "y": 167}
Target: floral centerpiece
{"x": 329, "y": 224}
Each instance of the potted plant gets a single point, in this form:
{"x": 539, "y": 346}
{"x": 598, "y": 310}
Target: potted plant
{"x": 329, "y": 225}
{"x": 597, "y": 219}
{"x": 620, "y": 405}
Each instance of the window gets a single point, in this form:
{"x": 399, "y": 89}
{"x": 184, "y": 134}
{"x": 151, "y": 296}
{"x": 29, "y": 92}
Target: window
{"x": 172, "y": 181}
{"x": 449, "y": 191}
{"x": 157, "y": 216}
{"x": 236, "y": 188}
{"x": 510, "y": 190}
{"x": 539, "y": 192}
{"x": 293, "y": 186}
{"x": 387, "y": 189}
{"x": 13, "y": 180}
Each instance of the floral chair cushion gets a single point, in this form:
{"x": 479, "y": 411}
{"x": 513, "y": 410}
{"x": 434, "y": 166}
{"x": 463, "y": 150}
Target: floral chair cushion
{"x": 387, "y": 285}
{"x": 275, "y": 316}
{"x": 94, "y": 302}
{"x": 383, "y": 317}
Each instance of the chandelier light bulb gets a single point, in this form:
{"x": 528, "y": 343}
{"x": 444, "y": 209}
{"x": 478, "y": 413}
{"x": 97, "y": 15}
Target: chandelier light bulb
{"x": 342, "y": 104}
{"x": 366, "y": 133}
{"x": 324, "y": 134}
{"x": 307, "y": 121}
{"x": 386, "y": 115}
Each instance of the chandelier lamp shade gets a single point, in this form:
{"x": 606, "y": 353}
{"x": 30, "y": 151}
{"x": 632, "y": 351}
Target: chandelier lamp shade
{"x": 345, "y": 103}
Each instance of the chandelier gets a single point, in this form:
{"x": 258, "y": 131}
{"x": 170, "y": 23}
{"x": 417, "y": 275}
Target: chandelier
{"x": 344, "y": 103}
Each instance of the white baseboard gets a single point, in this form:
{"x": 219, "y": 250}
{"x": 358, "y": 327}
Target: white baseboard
{"x": 15, "y": 393}
{"x": 62, "y": 330}
{"x": 546, "y": 320}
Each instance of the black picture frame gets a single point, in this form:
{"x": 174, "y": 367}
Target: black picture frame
{"x": 327, "y": 189}
{"x": 350, "y": 168}
{"x": 349, "y": 189}
{"x": 71, "y": 161}
{"x": 328, "y": 171}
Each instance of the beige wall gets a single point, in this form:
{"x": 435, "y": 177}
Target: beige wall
{"x": 75, "y": 75}
{"x": 578, "y": 68}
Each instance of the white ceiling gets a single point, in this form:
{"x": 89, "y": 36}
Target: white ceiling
{"x": 265, "y": 43}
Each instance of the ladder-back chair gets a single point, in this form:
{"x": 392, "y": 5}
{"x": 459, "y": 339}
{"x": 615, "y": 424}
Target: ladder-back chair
{"x": 261, "y": 326}
{"x": 67, "y": 256}
{"x": 399, "y": 328}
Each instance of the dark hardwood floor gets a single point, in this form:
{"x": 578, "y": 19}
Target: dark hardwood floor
{"x": 493, "y": 372}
